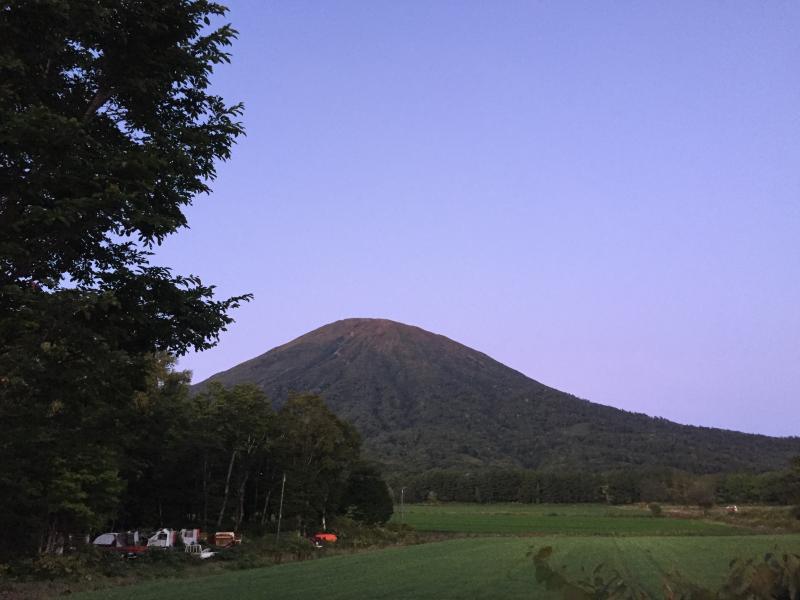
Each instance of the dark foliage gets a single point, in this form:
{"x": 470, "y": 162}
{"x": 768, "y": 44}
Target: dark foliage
{"x": 651, "y": 485}
{"x": 602, "y": 583}
{"x": 316, "y": 450}
{"x": 366, "y": 497}
{"x": 107, "y": 131}
{"x": 217, "y": 460}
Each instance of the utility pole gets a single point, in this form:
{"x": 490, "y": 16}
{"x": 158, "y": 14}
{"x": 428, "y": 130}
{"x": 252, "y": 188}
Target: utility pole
{"x": 402, "y": 505}
{"x": 280, "y": 510}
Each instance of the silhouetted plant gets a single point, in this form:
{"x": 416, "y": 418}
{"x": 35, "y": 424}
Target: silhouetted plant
{"x": 602, "y": 583}
{"x": 775, "y": 577}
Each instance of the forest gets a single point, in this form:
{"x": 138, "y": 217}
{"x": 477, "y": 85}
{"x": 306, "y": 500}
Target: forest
{"x": 221, "y": 460}
{"x": 621, "y": 486}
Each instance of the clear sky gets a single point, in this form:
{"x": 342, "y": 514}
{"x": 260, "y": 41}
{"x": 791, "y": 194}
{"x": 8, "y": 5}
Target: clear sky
{"x": 602, "y": 195}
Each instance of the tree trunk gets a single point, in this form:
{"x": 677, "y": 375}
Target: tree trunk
{"x": 205, "y": 490}
{"x": 47, "y": 545}
{"x": 266, "y": 506}
{"x": 240, "y": 507}
{"x": 100, "y": 98}
{"x": 254, "y": 505}
{"x": 227, "y": 489}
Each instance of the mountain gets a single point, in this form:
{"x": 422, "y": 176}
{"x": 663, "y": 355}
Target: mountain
{"x": 421, "y": 400}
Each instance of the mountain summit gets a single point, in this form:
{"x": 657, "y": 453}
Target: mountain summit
{"x": 422, "y": 401}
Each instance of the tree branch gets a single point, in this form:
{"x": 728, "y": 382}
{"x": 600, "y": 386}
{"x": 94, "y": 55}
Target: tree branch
{"x": 100, "y": 98}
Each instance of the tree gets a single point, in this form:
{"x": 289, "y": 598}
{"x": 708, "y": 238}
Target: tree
{"x": 793, "y": 485}
{"x": 794, "y": 479}
{"x": 160, "y": 458}
{"x": 366, "y": 497}
{"x": 243, "y": 424}
{"x": 317, "y": 450}
{"x": 107, "y": 131}
{"x": 702, "y": 492}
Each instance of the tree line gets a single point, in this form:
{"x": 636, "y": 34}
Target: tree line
{"x": 657, "y": 484}
{"x": 220, "y": 460}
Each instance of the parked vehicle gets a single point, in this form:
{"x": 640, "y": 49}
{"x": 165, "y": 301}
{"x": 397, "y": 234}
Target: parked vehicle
{"x": 322, "y": 538}
{"x": 133, "y": 544}
{"x": 188, "y": 538}
{"x": 129, "y": 543}
{"x": 226, "y": 539}
{"x": 168, "y": 538}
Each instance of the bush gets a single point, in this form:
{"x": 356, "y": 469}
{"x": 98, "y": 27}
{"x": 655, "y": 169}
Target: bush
{"x": 86, "y": 564}
{"x": 655, "y": 509}
{"x": 52, "y": 567}
{"x": 354, "y": 534}
{"x": 241, "y": 557}
{"x": 233, "y": 553}
{"x": 795, "y": 512}
{"x": 603, "y": 583}
{"x": 263, "y": 551}
{"x": 167, "y": 560}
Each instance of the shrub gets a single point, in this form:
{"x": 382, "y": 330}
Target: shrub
{"x": 259, "y": 552}
{"x": 655, "y": 509}
{"x": 85, "y": 564}
{"x": 167, "y": 560}
{"x": 603, "y": 583}
{"x": 795, "y": 512}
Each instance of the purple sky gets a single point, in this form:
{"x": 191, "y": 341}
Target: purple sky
{"x": 604, "y": 196}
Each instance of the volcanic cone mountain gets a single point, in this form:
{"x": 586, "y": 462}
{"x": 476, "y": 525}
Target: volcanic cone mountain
{"x": 421, "y": 400}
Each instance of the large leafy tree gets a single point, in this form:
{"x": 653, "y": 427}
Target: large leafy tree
{"x": 160, "y": 451}
{"x": 366, "y": 496}
{"x": 317, "y": 451}
{"x": 108, "y": 131}
{"x": 242, "y": 420}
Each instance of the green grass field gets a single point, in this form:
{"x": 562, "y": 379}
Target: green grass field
{"x": 488, "y": 567}
{"x": 538, "y": 519}
{"x": 464, "y": 568}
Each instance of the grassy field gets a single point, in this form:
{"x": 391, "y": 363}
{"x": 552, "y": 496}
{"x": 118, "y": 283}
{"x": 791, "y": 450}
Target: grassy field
{"x": 467, "y": 568}
{"x": 491, "y": 562}
{"x": 561, "y": 519}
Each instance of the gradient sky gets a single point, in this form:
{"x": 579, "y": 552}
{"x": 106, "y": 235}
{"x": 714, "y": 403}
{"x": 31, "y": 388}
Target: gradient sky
{"x": 604, "y": 196}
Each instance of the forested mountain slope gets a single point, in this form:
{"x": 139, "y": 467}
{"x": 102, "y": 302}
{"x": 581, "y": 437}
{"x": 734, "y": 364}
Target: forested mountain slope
{"x": 422, "y": 400}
